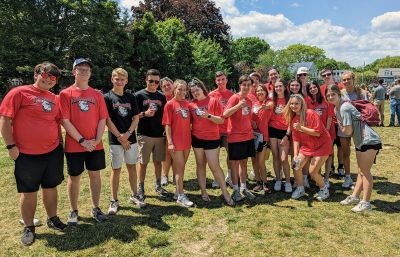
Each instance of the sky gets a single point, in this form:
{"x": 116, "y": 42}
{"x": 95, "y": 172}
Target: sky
{"x": 354, "y": 31}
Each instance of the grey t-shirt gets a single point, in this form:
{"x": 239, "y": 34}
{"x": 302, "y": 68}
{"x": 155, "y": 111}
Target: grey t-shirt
{"x": 362, "y": 133}
{"x": 380, "y": 93}
{"x": 395, "y": 92}
{"x": 353, "y": 95}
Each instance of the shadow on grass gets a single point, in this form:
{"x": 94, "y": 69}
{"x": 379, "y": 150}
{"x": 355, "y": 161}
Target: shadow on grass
{"x": 120, "y": 227}
{"x": 387, "y": 188}
{"x": 386, "y": 207}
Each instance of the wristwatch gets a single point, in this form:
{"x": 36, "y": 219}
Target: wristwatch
{"x": 10, "y": 146}
{"x": 81, "y": 140}
{"x": 208, "y": 116}
{"x": 143, "y": 114}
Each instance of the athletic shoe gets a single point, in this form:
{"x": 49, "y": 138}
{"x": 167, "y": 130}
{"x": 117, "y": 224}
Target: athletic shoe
{"x": 73, "y": 218}
{"x": 184, "y": 201}
{"x": 278, "y": 185}
{"x": 214, "y": 184}
{"x": 332, "y": 171}
{"x": 56, "y": 224}
{"x": 98, "y": 215}
{"x": 176, "y": 195}
{"x": 323, "y": 194}
{"x": 350, "y": 200}
{"x": 305, "y": 182}
{"x": 140, "y": 195}
{"x": 236, "y": 196}
{"x": 161, "y": 191}
{"x": 228, "y": 180}
{"x": 247, "y": 194}
{"x": 135, "y": 200}
{"x": 113, "y": 209}
{"x": 340, "y": 172}
{"x": 362, "y": 207}
{"x": 327, "y": 183}
{"x": 258, "y": 187}
{"x": 288, "y": 187}
{"x": 266, "y": 189}
{"x": 36, "y": 222}
{"x": 164, "y": 180}
{"x": 28, "y": 236}
{"x": 299, "y": 192}
{"x": 348, "y": 182}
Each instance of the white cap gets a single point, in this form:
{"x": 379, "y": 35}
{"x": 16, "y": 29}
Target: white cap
{"x": 302, "y": 70}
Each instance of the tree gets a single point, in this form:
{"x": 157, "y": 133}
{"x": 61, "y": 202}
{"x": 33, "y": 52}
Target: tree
{"x": 200, "y": 16}
{"x": 248, "y": 50}
{"x": 386, "y": 62}
{"x": 208, "y": 57}
{"x": 366, "y": 77}
{"x": 301, "y": 53}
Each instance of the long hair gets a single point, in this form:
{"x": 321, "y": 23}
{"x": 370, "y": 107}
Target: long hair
{"x": 288, "y": 114}
{"x": 286, "y": 92}
{"x": 195, "y": 82}
{"x": 300, "y": 89}
{"x": 318, "y": 97}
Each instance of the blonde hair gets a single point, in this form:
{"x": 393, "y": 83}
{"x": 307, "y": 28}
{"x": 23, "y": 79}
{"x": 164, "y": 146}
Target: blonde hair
{"x": 288, "y": 114}
{"x": 119, "y": 72}
{"x": 179, "y": 82}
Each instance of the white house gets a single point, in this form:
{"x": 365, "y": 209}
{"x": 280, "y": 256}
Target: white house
{"x": 389, "y": 75}
{"x": 313, "y": 72}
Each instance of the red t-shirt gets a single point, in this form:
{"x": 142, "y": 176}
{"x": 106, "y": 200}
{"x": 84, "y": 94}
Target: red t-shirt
{"x": 307, "y": 99}
{"x": 261, "y": 117}
{"x": 203, "y": 128}
{"x": 222, "y": 98}
{"x": 252, "y": 96}
{"x": 35, "y": 118}
{"x": 176, "y": 115}
{"x": 239, "y": 123}
{"x": 168, "y": 97}
{"x": 277, "y": 120}
{"x": 84, "y": 109}
{"x": 312, "y": 145}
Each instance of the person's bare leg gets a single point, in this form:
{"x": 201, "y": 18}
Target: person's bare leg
{"x": 95, "y": 187}
{"x": 114, "y": 183}
{"x": 28, "y": 203}
{"x": 73, "y": 186}
{"x": 50, "y": 198}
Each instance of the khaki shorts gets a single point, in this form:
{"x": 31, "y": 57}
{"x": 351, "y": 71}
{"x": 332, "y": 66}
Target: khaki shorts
{"x": 148, "y": 145}
{"x": 118, "y": 155}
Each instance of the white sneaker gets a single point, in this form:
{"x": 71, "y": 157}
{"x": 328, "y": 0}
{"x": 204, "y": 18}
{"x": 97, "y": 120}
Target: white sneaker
{"x": 73, "y": 218}
{"x": 327, "y": 183}
{"x": 184, "y": 201}
{"x": 348, "y": 182}
{"x": 340, "y": 172}
{"x": 236, "y": 196}
{"x": 113, "y": 209}
{"x": 228, "y": 180}
{"x": 164, "y": 180}
{"x": 288, "y": 187}
{"x": 36, "y": 222}
{"x": 350, "y": 200}
{"x": 299, "y": 192}
{"x": 214, "y": 184}
{"x": 139, "y": 202}
{"x": 323, "y": 194}
{"x": 362, "y": 207}
{"x": 278, "y": 185}
{"x": 305, "y": 182}
{"x": 247, "y": 194}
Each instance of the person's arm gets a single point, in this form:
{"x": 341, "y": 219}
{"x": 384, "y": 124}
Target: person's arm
{"x": 296, "y": 148}
{"x": 74, "y": 133}
{"x": 168, "y": 133}
{"x": 7, "y": 134}
{"x": 100, "y": 131}
{"x": 112, "y": 128}
{"x": 230, "y": 111}
{"x": 347, "y": 130}
{"x": 328, "y": 123}
{"x": 308, "y": 131}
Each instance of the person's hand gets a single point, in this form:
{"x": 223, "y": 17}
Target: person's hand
{"x": 285, "y": 141}
{"x": 126, "y": 145}
{"x": 171, "y": 148}
{"x": 89, "y": 145}
{"x": 123, "y": 137}
{"x": 242, "y": 103}
{"x": 13, "y": 153}
{"x": 204, "y": 114}
{"x": 297, "y": 126}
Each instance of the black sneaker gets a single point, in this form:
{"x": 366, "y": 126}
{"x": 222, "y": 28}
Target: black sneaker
{"x": 28, "y": 236}
{"x": 98, "y": 215}
{"x": 56, "y": 223}
{"x": 161, "y": 191}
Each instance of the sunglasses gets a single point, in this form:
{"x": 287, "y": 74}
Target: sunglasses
{"x": 151, "y": 81}
{"x": 345, "y": 80}
{"x": 47, "y": 75}
{"x": 327, "y": 75}
{"x": 303, "y": 74}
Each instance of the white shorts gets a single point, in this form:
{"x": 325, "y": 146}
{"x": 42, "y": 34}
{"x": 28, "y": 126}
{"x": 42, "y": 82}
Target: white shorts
{"x": 118, "y": 155}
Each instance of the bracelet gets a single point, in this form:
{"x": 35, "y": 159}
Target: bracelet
{"x": 208, "y": 116}
{"x": 129, "y": 132}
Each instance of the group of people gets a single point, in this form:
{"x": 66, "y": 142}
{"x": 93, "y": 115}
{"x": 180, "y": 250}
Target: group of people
{"x": 166, "y": 119}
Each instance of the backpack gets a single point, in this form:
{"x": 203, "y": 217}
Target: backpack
{"x": 369, "y": 112}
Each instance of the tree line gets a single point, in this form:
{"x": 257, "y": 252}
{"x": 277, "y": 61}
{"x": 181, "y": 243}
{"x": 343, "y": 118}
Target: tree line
{"x": 182, "y": 39}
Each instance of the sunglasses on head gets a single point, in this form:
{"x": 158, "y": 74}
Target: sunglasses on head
{"x": 47, "y": 75}
{"x": 326, "y": 75}
{"x": 151, "y": 81}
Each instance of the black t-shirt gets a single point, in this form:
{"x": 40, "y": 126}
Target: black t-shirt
{"x": 121, "y": 110}
{"x": 151, "y": 126}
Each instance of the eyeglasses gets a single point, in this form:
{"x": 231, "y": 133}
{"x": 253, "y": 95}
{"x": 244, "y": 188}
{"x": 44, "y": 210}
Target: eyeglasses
{"x": 327, "y": 75}
{"x": 151, "y": 81}
{"x": 47, "y": 75}
{"x": 303, "y": 74}
{"x": 345, "y": 80}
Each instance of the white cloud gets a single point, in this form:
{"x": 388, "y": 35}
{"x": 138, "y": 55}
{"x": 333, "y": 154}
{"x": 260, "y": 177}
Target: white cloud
{"x": 228, "y": 7}
{"x": 295, "y": 5}
{"x": 387, "y": 22}
{"x": 129, "y": 3}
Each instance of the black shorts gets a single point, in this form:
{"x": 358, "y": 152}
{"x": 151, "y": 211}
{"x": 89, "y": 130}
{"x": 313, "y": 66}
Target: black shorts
{"x": 205, "y": 144}
{"x": 93, "y": 161}
{"x": 365, "y": 148}
{"x": 276, "y": 133}
{"x": 241, "y": 150}
{"x": 224, "y": 141}
{"x": 262, "y": 145}
{"x": 337, "y": 138}
{"x": 35, "y": 170}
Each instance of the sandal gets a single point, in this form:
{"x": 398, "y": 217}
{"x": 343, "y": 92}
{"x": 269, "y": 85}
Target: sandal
{"x": 267, "y": 191}
{"x": 206, "y": 198}
{"x": 230, "y": 203}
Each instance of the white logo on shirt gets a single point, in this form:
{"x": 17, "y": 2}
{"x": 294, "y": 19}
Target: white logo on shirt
{"x": 123, "y": 112}
{"x": 83, "y": 105}
{"x": 46, "y": 106}
{"x": 279, "y": 109}
{"x": 246, "y": 110}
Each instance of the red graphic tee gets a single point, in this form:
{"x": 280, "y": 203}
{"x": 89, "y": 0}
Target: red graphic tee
{"x": 84, "y": 108}
{"x": 277, "y": 120}
{"x": 35, "y": 118}
{"x": 222, "y": 98}
{"x": 176, "y": 115}
{"x": 239, "y": 123}
{"x": 203, "y": 128}
{"x": 261, "y": 117}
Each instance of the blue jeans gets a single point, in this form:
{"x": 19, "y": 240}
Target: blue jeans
{"x": 394, "y": 110}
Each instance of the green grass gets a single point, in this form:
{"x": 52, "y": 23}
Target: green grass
{"x": 272, "y": 225}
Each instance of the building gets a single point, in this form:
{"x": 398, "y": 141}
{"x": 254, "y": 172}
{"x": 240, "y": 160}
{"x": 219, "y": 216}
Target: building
{"x": 337, "y": 75}
{"x": 389, "y": 75}
{"x": 312, "y": 70}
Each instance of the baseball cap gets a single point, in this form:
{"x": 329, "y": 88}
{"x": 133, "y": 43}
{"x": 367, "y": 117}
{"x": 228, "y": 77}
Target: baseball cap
{"x": 323, "y": 71}
{"x": 302, "y": 70}
{"x": 81, "y": 61}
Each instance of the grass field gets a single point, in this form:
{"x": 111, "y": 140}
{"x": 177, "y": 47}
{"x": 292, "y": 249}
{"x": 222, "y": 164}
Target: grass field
{"x": 272, "y": 225}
